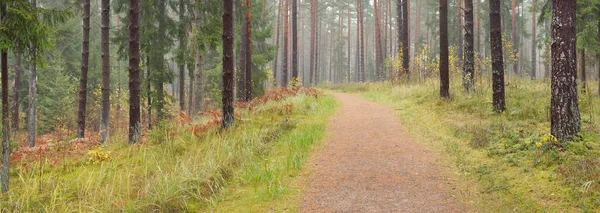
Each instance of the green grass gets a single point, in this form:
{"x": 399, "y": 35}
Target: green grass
{"x": 499, "y": 161}
{"x": 251, "y": 167}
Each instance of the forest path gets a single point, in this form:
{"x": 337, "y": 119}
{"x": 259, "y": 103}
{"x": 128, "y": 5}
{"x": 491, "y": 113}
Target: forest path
{"x": 370, "y": 164}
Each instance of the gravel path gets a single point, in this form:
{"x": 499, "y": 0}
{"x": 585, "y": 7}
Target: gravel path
{"x": 370, "y": 164}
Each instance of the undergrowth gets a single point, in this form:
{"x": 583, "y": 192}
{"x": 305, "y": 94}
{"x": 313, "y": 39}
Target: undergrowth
{"x": 515, "y": 163}
{"x": 185, "y": 166}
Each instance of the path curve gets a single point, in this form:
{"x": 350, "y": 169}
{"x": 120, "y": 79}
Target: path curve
{"x": 370, "y": 164}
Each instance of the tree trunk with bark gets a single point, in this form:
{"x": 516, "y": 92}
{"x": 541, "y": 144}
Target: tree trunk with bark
{"x": 564, "y": 111}
{"x": 134, "y": 72}
{"x": 295, "y": 39}
{"x": 405, "y": 39}
{"x": 85, "y": 56}
{"x": 362, "y": 41}
{"x": 4, "y": 170}
{"x": 497, "y": 56}
{"x": 32, "y": 109}
{"x": 469, "y": 59}
{"x": 17, "y": 87}
{"x": 533, "y": 41}
{"x": 105, "y": 48}
{"x": 182, "y": 50}
{"x": 228, "y": 64}
{"x": 514, "y": 35}
{"x": 248, "y": 55}
{"x": 460, "y": 31}
{"x": 286, "y": 33}
{"x": 444, "y": 72}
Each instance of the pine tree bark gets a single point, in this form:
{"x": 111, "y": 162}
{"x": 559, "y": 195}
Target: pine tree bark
{"x": 228, "y": 64}
{"x": 149, "y": 91}
{"x": 32, "y": 111}
{"x": 444, "y": 72}
{"x": 313, "y": 22}
{"x": 182, "y": 50}
{"x": 405, "y": 39}
{"x": 362, "y": 41}
{"x": 278, "y": 42}
{"x": 295, "y": 39}
{"x": 105, "y": 48}
{"x": 286, "y": 41}
{"x": 460, "y": 31}
{"x": 469, "y": 63}
{"x": 564, "y": 111}
{"x": 85, "y": 56}
{"x": 198, "y": 86}
{"x": 4, "y": 171}
{"x": 378, "y": 42}
{"x": 497, "y": 57}
{"x": 583, "y": 72}
{"x": 134, "y": 72}
{"x": 240, "y": 76}
{"x": 17, "y": 87}
{"x": 248, "y": 55}
{"x": 533, "y": 41}
{"x": 514, "y": 35}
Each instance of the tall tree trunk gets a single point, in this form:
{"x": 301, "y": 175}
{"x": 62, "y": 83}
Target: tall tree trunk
{"x": 497, "y": 57}
{"x": 4, "y": 172}
{"x": 5, "y": 167}
{"x": 248, "y": 55}
{"x": 286, "y": 34}
{"x": 362, "y": 41}
{"x": 564, "y": 111}
{"x": 469, "y": 65}
{"x": 149, "y": 91}
{"x": 15, "y": 105}
{"x": 418, "y": 23}
{"x": 85, "y": 56}
{"x": 32, "y": 117}
{"x": 313, "y": 22}
{"x": 378, "y": 55}
{"x": 240, "y": 76}
{"x": 134, "y": 72}
{"x": 228, "y": 64}
{"x": 514, "y": 35}
{"x": 349, "y": 75}
{"x": 277, "y": 42}
{"x": 405, "y": 38}
{"x": 317, "y": 50}
{"x": 533, "y": 41}
{"x": 182, "y": 50}
{"x": 460, "y": 31}
{"x": 295, "y": 39}
{"x": 159, "y": 65}
{"x": 198, "y": 66}
{"x": 105, "y": 46}
{"x": 444, "y": 73}
{"x": 583, "y": 72}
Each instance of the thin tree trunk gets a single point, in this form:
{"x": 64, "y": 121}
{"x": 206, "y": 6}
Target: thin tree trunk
{"x": 460, "y": 32}
{"x": 277, "y": 42}
{"x": 469, "y": 65}
{"x": 295, "y": 39}
{"x": 105, "y": 43}
{"x": 405, "y": 39}
{"x": 248, "y": 55}
{"x": 533, "y": 41}
{"x": 349, "y": 75}
{"x": 583, "y": 72}
{"x": 85, "y": 56}
{"x": 285, "y": 43}
{"x": 514, "y": 35}
{"x": 228, "y": 64}
{"x": 497, "y": 57}
{"x": 362, "y": 41}
{"x": 444, "y": 73}
{"x": 134, "y": 72}
{"x": 378, "y": 42}
{"x": 32, "y": 117}
{"x": 4, "y": 171}
{"x": 564, "y": 116}
{"x": 182, "y": 50}
{"x": 149, "y": 92}
{"x": 15, "y": 105}
{"x": 198, "y": 66}
{"x": 313, "y": 18}
{"x": 240, "y": 76}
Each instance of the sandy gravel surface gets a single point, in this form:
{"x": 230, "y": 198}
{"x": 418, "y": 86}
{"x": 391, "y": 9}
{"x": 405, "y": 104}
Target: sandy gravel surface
{"x": 370, "y": 164}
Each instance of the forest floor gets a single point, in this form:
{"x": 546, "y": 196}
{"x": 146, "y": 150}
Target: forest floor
{"x": 370, "y": 164}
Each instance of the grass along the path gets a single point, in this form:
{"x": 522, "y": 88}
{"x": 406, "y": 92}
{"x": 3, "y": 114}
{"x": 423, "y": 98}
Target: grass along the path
{"x": 250, "y": 167}
{"x": 507, "y": 162}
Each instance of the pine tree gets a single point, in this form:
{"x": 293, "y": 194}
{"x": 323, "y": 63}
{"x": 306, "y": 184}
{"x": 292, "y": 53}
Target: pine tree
{"x": 228, "y": 64}
{"x": 105, "y": 37}
{"x": 564, "y": 111}
{"x": 85, "y": 57}
{"x": 134, "y": 72}
{"x": 444, "y": 72}
{"x": 469, "y": 63}
{"x": 497, "y": 57}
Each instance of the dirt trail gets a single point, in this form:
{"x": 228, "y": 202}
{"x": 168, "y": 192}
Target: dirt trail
{"x": 370, "y": 164}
